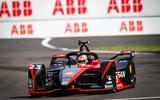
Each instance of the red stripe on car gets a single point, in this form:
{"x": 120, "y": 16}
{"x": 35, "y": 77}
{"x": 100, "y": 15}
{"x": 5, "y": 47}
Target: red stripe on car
{"x": 106, "y": 68}
{"x": 32, "y": 74}
{"x": 76, "y": 75}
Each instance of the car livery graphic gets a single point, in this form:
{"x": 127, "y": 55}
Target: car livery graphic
{"x": 83, "y": 71}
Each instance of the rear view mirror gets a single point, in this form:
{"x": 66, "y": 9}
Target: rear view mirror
{"x": 133, "y": 53}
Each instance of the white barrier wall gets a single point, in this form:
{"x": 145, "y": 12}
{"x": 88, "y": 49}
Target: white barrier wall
{"x": 67, "y": 18}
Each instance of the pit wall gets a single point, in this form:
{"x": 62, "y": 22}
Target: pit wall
{"x": 74, "y": 18}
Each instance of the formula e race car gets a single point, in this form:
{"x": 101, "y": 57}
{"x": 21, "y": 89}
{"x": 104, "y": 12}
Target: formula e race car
{"x": 83, "y": 71}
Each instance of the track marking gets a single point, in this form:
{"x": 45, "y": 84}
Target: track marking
{"x": 139, "y": 98}
{"x": 45, "y": 43}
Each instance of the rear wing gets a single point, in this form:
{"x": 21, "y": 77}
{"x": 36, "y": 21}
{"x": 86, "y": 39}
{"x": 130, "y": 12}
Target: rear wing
{"x": 131, "y": 53}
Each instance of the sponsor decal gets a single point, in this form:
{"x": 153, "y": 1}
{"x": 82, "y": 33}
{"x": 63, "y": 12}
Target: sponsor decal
{"x": 108, "y": 85}
{"x": 130, "y": 69}
{"x": 71, "y": 7}
{"x": 123, "y": 61}
{"x": 116, "y": 78}
{"x": 35, "y": 67}
{"x": 30, "y": 67}
{"x": 131, "y": 26}
{"x": 76, "y": 28}
{"x": 67, "y": 74}
{"x": 125, "y": 6}
{"x": 21, "y": 30}
{"x": 109, "y": 79}
{"x": 16, "y": 9}
{"x": 119, "y": 85}
{"x": 121, "y": 74}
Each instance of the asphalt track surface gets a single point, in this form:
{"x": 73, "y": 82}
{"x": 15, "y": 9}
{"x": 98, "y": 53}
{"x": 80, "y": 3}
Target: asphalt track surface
{"x": 16, "y": 55}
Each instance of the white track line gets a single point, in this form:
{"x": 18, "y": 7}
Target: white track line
{"x": 45, "y": 43}
{"x": 139, "y": 98}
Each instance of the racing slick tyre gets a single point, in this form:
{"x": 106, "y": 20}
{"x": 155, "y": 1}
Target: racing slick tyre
{"x": 113, "y": 76}
{"x": 39, "y": 78}
{"x": 132, "y": 75}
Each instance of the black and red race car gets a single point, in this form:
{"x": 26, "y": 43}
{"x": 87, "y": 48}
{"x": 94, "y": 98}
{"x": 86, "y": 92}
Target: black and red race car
{"x": 66, "y": 72}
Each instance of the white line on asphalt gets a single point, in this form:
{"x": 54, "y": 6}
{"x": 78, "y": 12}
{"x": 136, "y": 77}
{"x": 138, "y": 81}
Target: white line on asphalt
{"x": 45, "y": 43}
{"x": 139, "y": 98}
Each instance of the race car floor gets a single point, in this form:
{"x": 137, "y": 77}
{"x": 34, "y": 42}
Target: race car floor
{"x": 16, "y": 55}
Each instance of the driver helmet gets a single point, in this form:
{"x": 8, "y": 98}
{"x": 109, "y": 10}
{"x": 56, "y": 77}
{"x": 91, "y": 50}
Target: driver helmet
{"x": 82, "y": 59}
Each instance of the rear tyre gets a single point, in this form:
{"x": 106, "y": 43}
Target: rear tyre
{"x": 41, "y": 77}
{"x": 133, "y": 83}
{"x": 132, "y": 76}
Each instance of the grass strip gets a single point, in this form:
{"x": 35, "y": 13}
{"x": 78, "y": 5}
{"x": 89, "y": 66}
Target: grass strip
{"x": 147, "y": 47}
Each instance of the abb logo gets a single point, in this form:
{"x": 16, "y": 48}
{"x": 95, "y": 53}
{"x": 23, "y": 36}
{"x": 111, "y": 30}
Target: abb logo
{"x": 16, "y": 10}
{"x": 22, "y": 29}
{"x": 132, "y": 26}
{"x": 70, "y": 8}
{"x": 76, "y": 28}
{"x": 125, "y": 6}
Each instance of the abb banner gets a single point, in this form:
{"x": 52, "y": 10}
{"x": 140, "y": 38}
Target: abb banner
{"x": 71, "y": 18}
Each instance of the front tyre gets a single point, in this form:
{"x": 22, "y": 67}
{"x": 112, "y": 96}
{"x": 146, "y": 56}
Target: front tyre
{"x": 113, "y": 75}
{"x": 36, "y": 77}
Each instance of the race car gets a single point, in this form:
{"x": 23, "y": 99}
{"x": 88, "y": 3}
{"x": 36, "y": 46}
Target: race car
{"x": 83, "y": 71}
